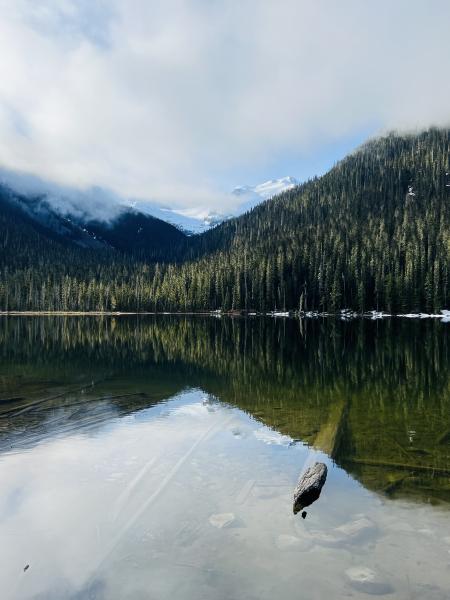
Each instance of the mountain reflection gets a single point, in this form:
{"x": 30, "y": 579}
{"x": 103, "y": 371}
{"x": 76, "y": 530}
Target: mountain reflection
{"x": 373, "y": 395}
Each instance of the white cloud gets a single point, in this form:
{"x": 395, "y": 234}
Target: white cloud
{"x": 160, "y": 100}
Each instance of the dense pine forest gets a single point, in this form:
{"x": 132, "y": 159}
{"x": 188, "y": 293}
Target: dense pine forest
{"x": 372, "y": 233}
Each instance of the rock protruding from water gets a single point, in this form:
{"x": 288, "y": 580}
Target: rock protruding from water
{"x": 309, "y": 486}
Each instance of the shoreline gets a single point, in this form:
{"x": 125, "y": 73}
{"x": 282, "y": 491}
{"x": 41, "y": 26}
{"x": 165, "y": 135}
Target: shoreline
{"x": 344, "y": 315}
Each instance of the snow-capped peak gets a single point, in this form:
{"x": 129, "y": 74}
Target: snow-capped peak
{"x": 273, "y": 187}
{"x": 197, "y": 220}
{"x": 251, "y": 196}
{"x": 268, "y": 189}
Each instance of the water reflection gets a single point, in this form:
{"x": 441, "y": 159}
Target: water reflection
{"x": 374, "y": 396}
{"x": 156, "y": 457}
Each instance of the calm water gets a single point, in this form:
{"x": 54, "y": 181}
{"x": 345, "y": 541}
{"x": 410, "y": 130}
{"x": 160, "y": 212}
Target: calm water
{"x": 156, "y": 457}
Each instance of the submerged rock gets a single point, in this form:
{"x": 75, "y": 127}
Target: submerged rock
{"x": 347, "y": 533}
{"x": 356, "y": 529}
{"x": 222, "y": 520}
{"x": 309, "y": 486}
{"x": 365, "y": 580}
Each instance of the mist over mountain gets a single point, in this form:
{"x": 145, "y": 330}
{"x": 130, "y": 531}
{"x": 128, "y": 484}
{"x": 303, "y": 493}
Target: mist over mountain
{"x": 92, "y": 219}
{"x": 64, "y": 208}
{"x": 89, "y": 204}
{"x": 189, "y": 220}
{"x": 197, "y": 220}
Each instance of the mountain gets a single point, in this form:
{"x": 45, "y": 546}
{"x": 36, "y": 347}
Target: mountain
{"x": 189, "y": 221}
{"x": 372, "y": 233}
{"x": 139, "y": 234}
{"x": 252, "y": 196}
{"x": 200, "y": 220}
{"x": 124, "y": 229}
{"x": 96, "y": 218}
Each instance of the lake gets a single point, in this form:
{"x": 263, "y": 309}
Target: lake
{"x": 156, "y": 456}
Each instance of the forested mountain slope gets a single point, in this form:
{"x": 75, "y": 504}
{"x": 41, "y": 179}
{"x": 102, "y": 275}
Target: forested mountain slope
{"x": 125, "y": 229}
{"x": 51, "y": 262}
{"x": 374, "y": 232}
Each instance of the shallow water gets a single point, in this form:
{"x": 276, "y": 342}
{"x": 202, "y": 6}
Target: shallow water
{"x": 156, "y": 458}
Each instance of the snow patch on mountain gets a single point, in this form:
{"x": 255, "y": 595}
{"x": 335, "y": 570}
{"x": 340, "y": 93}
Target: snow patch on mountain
{"x": 268, "y": 189}
{"x": 251, "y": 196}
{"x": 189, "y": 220}
{"x": 197, "y": 220}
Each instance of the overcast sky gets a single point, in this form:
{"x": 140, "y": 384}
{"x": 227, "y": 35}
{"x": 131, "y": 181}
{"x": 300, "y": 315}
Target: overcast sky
{"x": 178, "y": 101}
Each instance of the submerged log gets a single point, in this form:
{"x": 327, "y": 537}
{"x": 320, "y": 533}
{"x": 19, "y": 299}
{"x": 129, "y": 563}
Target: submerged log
{"x": 329, "y": 436}
{"x": 309, "y": 486}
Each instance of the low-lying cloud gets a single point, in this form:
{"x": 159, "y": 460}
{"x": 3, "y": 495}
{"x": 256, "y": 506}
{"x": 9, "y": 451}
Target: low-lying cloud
{"x": 164, "y": 100}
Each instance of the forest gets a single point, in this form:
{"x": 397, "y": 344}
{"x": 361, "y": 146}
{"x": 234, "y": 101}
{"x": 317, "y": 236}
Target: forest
{"x": 371, "y": 234}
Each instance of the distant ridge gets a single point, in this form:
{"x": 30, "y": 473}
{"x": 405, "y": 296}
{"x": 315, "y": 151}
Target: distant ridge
{"x": 125, "y": 230}
{"x": 199, "y": 221}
